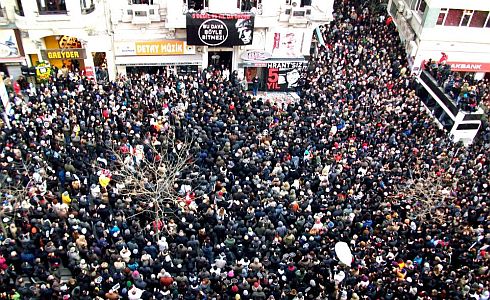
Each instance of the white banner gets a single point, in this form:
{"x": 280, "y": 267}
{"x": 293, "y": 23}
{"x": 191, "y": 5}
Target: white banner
{"x": 284, "y": 42}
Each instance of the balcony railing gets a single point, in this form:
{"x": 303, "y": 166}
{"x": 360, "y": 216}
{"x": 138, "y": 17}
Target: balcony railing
{"x": 427, "y": 78}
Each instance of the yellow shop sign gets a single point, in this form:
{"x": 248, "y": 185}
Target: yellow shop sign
{"x": 73, "y": 53}
{"x": 160, "y": 47}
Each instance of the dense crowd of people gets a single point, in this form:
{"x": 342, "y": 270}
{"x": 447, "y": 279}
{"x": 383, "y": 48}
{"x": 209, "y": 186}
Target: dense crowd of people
{"x": 467, "y": 92}
{"x": 277, "y": 185}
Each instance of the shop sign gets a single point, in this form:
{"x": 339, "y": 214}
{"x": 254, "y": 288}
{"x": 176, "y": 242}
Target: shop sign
{"x": 63, "y": 53}
{"x": 152, "y": 48}
{"x": 214, "y": 29}
{"x": 469, "y": 66}
{"x": 252, "y": 55}
{"x": 160, "y": 47}
{"x": 8, "y": 44}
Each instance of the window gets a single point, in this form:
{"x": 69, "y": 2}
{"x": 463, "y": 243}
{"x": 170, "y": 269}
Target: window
{"x": 150, "y": 2}
{"x": 419, "y": 6}
{"x": 298, "y": 13}
{"x": 466, "y": 17}
{"x": 442, "y": 16}
{"x": 19, "y": 10}
{"x": 197, "y": 4}
{"x": 305, "y": 3}
{"x": 479, "y": 18}
{"x": 51, "y": 7}
{"x": 87, "y": 6}
{"x": 247, "y": 5}
{"x": 140, "y": 13}
{"x": 152, "y": 11}
{"x": 130, "y": 12}
{"x": 454, "y": 17}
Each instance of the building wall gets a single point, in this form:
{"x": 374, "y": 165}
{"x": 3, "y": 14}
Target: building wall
{"x": 90, "y": 27}
{"x": 425, "y": 39}
{"x": 113, "y": 24}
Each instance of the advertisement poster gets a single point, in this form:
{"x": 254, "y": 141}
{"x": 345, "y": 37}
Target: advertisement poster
{"x": 285, "y": 42}
{"x": 8, "y": 44}
{"x": 226, "y": 30}
{"x": 284, "y": 76}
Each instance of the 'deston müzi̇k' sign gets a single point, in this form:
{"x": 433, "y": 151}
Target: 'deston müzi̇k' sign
{"x": 225, "y": 30}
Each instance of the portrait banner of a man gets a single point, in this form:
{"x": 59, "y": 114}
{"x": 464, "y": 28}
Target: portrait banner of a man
{"x": 224, "y": 30}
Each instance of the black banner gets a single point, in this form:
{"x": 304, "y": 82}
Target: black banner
{"x": 284, "y": 76}
{"x": 223, "y": 30}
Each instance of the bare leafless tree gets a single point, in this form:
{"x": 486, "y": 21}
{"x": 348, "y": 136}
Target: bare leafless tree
{"x": 15, "y": 186}
{"x": 429, "y": 196}
{"x": 151, "y": 174}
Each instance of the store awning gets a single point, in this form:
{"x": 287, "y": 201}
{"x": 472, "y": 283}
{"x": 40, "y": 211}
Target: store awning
{"x": 162, "y": 60}
{"x": 319, "y": 36}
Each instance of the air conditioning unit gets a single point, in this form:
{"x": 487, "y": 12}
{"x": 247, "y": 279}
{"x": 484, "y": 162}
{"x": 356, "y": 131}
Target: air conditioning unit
{"x": 295, "y": 3}
{"x": 401, "y": 6}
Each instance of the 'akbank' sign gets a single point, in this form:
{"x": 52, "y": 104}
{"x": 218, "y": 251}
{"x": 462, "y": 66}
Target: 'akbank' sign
{"x": 469, "y": 66}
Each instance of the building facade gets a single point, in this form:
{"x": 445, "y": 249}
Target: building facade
{"x": 11, "y": 51}
{"x": 72, "y": 33}
{"x": 264, "y": 38}
{"x": 458, "y": 28}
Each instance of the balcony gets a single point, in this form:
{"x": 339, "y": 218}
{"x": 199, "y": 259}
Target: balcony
{"x": 446, "y": 99}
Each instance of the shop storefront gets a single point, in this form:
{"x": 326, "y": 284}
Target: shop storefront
{"x": 280, "y": 65}
{"x": 478, "y": 70}
{"x": 11, "y": 53}
{"x": 157, "y": 56}
{"x": 63, "y": 50}
{"x": 275, "y": 75}
{"x": 475, "y": 70}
